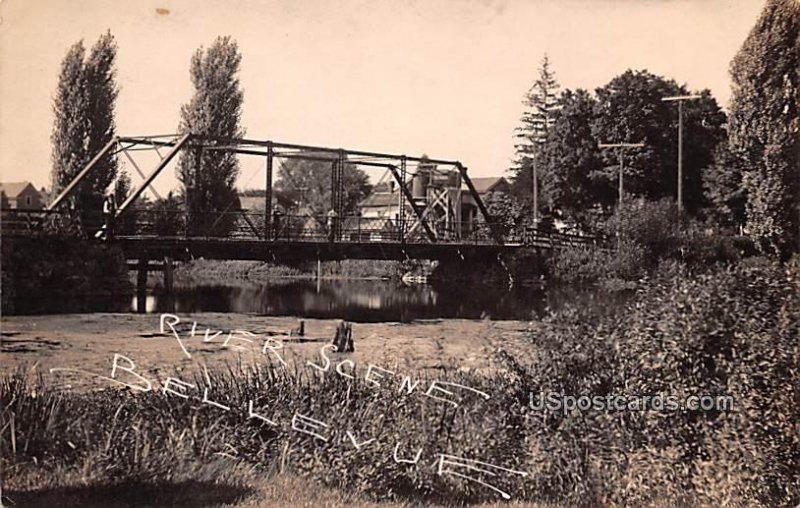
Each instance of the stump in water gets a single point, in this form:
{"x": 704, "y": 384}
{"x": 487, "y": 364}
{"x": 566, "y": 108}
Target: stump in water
{"x": 343, "y": 340}
{"x": 300, "y": 331}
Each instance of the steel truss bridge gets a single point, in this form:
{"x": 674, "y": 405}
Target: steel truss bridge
{"x": 426, "y": 225}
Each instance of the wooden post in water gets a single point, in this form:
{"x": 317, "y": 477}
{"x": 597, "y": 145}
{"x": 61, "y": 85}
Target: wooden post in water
{"x": 343, "y": 340}
{"x": 319, "y": 275}
{"x": 141, "y": 283}
{"x": 169, "y": 277}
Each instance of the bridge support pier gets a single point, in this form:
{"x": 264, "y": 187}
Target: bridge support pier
{"x": 141, "y": 283}
{"x": 169, "y": 277}
{"x": 319, "y": 275}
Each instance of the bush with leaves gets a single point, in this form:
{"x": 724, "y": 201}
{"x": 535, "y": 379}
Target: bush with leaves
{"x": 732, "y": 332}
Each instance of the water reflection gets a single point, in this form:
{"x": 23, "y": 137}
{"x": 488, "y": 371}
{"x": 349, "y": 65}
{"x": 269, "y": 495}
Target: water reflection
{"x": 366, "y": 301}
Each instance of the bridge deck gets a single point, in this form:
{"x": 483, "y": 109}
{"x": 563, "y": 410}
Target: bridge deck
{"x": 240, "y": 249}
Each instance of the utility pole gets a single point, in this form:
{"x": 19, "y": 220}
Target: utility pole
{"x": 621, "y": 147}
{"x": 680, "y": 99}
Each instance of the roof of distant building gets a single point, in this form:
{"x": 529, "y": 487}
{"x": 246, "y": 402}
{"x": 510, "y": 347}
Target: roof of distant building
{"x": 13, "y": 189}
{"x": 380, "y": 199}
{"x": 252, "y": 203}
{"x": 488, "y": 183}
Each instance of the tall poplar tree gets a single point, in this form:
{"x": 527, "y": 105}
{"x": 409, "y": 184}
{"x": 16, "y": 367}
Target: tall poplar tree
{"x": 84, "y": 122}
{"x": 70, "y": 128}
{"x": 764, "y": 128}
{"x": 209, "y": 176}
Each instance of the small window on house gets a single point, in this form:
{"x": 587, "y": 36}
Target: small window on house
{"x": 27, "y": 200}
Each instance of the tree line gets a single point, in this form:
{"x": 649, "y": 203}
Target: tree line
{"x": 84, "y": 108}
{"x": 741, "y": 171}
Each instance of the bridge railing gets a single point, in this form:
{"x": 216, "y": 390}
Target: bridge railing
{"x": 254, "y": 225}
{"x": 15, "y": 221}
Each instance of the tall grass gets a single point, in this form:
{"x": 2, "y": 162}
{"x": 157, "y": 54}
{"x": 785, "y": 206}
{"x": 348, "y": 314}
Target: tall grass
{"x": 114, "y": 435}
{"x": 735, "y": 331}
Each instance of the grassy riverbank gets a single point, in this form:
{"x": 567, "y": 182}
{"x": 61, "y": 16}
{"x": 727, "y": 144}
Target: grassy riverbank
{"x": 733, "y": 331}
{"x": 203, "y": 269}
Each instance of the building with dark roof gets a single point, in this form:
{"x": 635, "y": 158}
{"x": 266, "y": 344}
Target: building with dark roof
{"x": 20, "y": 196}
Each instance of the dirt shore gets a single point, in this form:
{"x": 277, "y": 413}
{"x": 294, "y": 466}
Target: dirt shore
{"x": 81, "y": 347}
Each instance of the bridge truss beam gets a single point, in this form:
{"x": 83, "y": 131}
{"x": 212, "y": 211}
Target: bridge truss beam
{"x": 338, "y": 157}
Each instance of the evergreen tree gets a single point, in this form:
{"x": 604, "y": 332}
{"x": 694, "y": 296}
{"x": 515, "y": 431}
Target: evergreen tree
{"x": 764, "y": 125}
{"x": 209, "y": 176}
{"x": 84, "y": 123}
{"x": 540, "y": 105}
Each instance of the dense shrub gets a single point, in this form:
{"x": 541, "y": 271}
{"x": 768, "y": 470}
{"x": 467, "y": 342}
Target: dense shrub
{"x": 641, "y": 235}
{"x": 653, "y": 225}
{"x": 591, "y": 263}
{"x": 732, "y": 332}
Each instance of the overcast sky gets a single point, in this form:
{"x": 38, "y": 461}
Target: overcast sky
{"x": 443, "y": 77}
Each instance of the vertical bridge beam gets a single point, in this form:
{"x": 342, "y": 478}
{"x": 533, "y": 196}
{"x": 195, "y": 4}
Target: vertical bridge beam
{"x": 402, "y": 214}
{"x": 268, "y": 196}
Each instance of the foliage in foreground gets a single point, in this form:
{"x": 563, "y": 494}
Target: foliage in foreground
{"x": 641, "y": 236}
{"x": 733, "y": 332}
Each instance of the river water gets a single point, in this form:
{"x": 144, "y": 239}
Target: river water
{"x": 353, "y": 300}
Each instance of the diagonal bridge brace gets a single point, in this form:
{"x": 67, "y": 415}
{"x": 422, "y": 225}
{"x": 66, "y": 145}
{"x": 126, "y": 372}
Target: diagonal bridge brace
{"x": 410, "y": 200}
{"x": 80, "y": 176}
{"x": 152, "y": 176}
